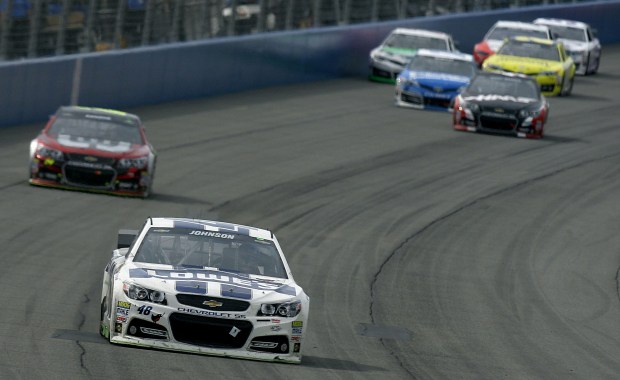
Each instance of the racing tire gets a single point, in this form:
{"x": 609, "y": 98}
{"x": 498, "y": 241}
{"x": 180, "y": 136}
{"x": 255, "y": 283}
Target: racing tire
{"x": 102, "y": 313}
{"x": 598, "y": 62}
{"x": 567, "y": 91}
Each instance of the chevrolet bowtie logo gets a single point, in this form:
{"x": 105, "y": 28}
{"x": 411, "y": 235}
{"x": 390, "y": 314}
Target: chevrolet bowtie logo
{"x": 212, "y": 303}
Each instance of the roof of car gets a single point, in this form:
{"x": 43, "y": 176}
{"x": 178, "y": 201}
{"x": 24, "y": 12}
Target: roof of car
{"x": 458, "y": 56}
{"x": 421, "y": 32}
{"x": 520, "y": 25}
{"x": 211, "y": 225}
{"x": 561, "y": 22}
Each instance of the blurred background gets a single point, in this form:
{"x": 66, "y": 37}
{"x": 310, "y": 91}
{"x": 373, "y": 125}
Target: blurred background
{"x": 40, "y": 28}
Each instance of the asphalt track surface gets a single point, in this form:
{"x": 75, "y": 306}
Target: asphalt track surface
{"x": 427, "y": 253}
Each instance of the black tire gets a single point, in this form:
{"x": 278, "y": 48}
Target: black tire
{"x": 102, "y": 313}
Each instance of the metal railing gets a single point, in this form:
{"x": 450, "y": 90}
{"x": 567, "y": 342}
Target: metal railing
{"x": 39, "y": 28}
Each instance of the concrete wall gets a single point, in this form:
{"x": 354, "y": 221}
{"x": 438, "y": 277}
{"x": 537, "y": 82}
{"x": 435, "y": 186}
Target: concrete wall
{"x": 31, "y": 90}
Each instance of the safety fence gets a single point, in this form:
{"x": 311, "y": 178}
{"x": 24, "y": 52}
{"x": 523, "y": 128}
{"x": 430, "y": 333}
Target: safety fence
{"x": 41, "y": 28}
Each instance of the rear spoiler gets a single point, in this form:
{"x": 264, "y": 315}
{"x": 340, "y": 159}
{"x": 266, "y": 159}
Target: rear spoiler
{"x": 126, "y": 238}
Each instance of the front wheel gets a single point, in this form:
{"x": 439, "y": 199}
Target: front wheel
{"x": 104, "y": 327}
{"x": 567, "y": 89}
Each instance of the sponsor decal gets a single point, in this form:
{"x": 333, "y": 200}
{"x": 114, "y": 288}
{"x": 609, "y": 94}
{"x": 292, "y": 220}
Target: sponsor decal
{"x": 296, "y": 347}
{"x": 264, "y": 344}
{"x": 504, "y": 98}
{"x": 156, "y": 332}
{"x": 221, "y": 226}
{"x": 234, "y": 331}
{"x": 121, "y": 318}
{"x": 156, "y": 317}
{"x": 118, "y": 327}
{"x": 123, "y": 304}
{"x": 239, "y": 281}
{"x": 296, "y": 330}
{"x": 295, "y": 338}
{"x": 276, "y": 328}
{"x": 98, "y": 117}
{"x": 298, "y": 323}
{"x": 212, "y": 234}
{"x": 275, "y": 321}
{"x": 122, "y": 311}
{"x": 211, "y": 313}
{"x": 235, "y": 292}
{"x": 194, "y": 287}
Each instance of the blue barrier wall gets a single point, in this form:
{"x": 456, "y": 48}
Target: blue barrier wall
{"x": 31, "y": 90}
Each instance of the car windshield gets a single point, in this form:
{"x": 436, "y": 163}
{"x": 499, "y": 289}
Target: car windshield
{"x": 82, "y": 128}
{"x": 501, "y": 33}
{"x": 231, "y": 252}
{"x": 503, "y": 85}
{"x": 530, "y": 50}
{"x": 406, "y": 41}
{"x": 568, "y": 33}
{"x": 442, "y": 65}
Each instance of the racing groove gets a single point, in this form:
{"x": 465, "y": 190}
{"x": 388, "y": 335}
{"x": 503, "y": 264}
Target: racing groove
{"x": 427, "y": 253}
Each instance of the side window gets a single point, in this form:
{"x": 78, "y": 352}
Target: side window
{"x": 589, "y": 35}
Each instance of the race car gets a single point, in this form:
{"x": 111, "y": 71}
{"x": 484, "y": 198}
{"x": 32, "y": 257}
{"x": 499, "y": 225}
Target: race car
{"x": 505, "y": 29}
{"x": 93, "y": 149}
{"x": 433, "y": 78}
{"x": 391, "y": 57}
{"x": 204, "y": 287}
{"x": 510, "y": 104}
{"x": 579, "y": 40}
{"x": 544, "y": 60}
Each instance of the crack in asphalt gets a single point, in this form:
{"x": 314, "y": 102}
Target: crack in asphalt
{"x": 79, "y": 344}
{"x": 444, "y": 217}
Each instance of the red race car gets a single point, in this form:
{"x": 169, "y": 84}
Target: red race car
{"x": 93, "y": 149}
{"x": 504, "y": 29}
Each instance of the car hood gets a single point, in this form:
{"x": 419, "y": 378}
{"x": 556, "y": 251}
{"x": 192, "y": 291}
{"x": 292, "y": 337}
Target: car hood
{"x": 500, "y": 102}
{"x": 209, "y": 282}
{"x": 103, "y": 145}
{"x": 522, "y": 65}
{"x": 396, "y": 55}
{"x": 435, "y": 79}
{"x": 573, "y": 45}
{"x": 105, "y": 148}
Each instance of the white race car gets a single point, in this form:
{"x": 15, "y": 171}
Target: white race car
{"x": 579, "y": 40}
{"x": 390, "y": 58}
{"x": 204, "y": 287}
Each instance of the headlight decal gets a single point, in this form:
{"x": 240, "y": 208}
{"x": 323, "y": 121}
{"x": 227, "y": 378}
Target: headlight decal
{"x": 138, "y": 163}
{"x": 140, "y": 293}
{"x": 286, "y": 309}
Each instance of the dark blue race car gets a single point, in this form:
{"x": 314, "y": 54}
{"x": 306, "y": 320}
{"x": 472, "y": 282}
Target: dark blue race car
{"x": 433, "y": 78}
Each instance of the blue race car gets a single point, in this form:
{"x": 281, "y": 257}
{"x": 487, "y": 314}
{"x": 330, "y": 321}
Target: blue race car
{"x": 433, "y": 78}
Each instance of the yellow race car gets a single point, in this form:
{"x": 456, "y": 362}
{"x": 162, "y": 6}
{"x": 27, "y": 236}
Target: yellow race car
{"x": 544, "y": 60}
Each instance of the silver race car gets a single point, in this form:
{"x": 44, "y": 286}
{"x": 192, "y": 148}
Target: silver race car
{"x": 203, "y": 287}
{"x": 579, "y": 40}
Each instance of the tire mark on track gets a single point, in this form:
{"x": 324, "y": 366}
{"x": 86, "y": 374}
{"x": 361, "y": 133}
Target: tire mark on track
{"x": 456, "y": 211}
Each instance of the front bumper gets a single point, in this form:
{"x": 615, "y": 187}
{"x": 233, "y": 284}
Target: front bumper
{"x": 511, "y": 126}
{"x": 384, "y": 71}
{"x": 196, "y": 330}
{"x": 99, "y": 179}
{"x": 550, "y": 85}
{"x": 419, "y": 98}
